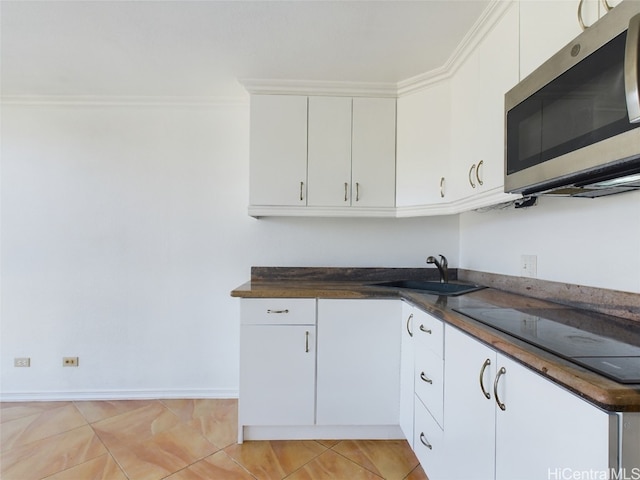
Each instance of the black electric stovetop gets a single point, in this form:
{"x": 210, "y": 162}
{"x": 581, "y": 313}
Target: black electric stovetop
{"x": 614, "y": 354}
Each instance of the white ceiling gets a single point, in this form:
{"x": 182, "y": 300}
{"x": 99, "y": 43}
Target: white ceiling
{"x": 201, "y": 48}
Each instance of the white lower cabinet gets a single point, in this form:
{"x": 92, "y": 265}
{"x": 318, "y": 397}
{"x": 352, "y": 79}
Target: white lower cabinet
{"x": 358, "y": 362}
{"x": 505, "y": 422}
{"x": 343, "y": 382}
{"x": 277, "y": 362}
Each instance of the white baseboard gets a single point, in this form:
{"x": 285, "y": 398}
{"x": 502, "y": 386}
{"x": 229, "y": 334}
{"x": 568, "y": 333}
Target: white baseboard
{"x": 320, "y": 432}
{"x": 116, "y": 395}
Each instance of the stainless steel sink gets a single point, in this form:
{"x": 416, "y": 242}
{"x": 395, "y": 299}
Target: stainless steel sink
{"x": 435, "y": 288}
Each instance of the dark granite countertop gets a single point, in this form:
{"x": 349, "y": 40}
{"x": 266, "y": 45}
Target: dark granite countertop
{"x": 268, "y": 282}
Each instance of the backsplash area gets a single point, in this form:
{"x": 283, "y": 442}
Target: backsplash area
{"x": 610, "y": 302}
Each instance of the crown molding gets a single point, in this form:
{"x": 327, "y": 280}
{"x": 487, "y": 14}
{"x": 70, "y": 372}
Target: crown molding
{"x": 318, "y": 87}
{"x": 122, "y": 101}
{"x": 485, "y": 23}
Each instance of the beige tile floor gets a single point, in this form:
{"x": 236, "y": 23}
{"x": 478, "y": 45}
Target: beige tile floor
{"x": 175, "y": 440}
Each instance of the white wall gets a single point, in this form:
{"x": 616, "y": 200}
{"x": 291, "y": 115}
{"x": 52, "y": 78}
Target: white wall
{"x": 591, "y": 242}
{"x": 123, "y": 230}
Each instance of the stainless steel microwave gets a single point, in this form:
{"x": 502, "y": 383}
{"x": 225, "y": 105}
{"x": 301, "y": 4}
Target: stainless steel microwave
{"x": 573, "y": 125}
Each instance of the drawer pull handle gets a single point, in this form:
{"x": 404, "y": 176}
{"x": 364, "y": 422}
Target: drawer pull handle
{"x": 306, "y": 342}
{"x": 409, "y": 321}
{"x": 501, "y": 372}
{"x": 441, "y": 187}
{"x": 357, "y": 192}
{"x": 423, "y": 439}
{"x": 278, "y": 311}
{"x": 346, "y": 187}
{"x": 301, "y": 188}
{"x": 472, "y": 173}
{"x": 425, "y": 330}
{"x": 424, "y": 378}
{"x": 486, "y": 363}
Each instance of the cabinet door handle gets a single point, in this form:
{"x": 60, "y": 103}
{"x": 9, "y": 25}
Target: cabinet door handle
{"x": 357, "y": 192}
{"x": 425, "y": 330}
{"x": 306, "y": 342}
{"x": 409, "y": 321}
{"x": 442, "y": 187}
{"x": 278, "y": 311}
{"x": 301, "y": 189}
{"x": 424, "y": 441}
{"x": 424, "y": 378}
{"x": 472, "y": 172}
{"x": 486, "y": 363}
{"x": 501, "y": 372}
{"x": 607, "y": 7}
{"x": 480, "y": 163}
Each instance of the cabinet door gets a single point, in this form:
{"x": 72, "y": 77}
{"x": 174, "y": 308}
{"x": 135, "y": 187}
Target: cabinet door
{"x": 329, "y": 151}
{"x": 424, "y": 125}
{"x": 464, "y": 134}
{"x": 469, "y": 414}
{"x": 546, "y": 27}
{"x": 546, "y": 431}
{"x": 406, "y": 372}
{"x": 358, "y": 367}
{"x": 278, "y": 150}
{"x": 277, "y": 375}
{"x": 373, "y": 156}
{"x": 497, "y": 75}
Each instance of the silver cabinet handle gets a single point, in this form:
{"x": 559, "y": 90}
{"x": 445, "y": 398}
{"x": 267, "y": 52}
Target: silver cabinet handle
{"x": 357, "y": 192}
{"x": 409, "y": 321}
{"x": 301, "y": 188}
{"x": 501, "y": 372}
{"x": 306, "y": 342}
{"x": 425, "y": 379}
{"x": 480, "y": 182}
{"x": 346, "y": 186}
{"x": 424, "y": 441}
{"x": 607, "y": 7}
{"x": 441, "y": 187}
{"x": 631, "y": 86}
{"x": 425, "y": 330}
{"x": 472, "y": 172}
{"x": 486, "y": 363}
{"x": 278, "y": 311}
{"x": 580, "y": 20}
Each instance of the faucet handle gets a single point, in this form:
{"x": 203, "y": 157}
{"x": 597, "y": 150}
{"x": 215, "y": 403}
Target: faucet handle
{"x": 443, "y": 261}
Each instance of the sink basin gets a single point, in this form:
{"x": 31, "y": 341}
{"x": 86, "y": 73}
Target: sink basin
{"x": 435, "y": 288}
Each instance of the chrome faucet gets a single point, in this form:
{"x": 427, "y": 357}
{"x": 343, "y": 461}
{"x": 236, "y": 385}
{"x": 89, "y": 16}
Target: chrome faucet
{"x": 443, "y": 267}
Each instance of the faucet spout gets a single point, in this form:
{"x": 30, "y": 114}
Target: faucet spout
{"x": 442, "y": 265}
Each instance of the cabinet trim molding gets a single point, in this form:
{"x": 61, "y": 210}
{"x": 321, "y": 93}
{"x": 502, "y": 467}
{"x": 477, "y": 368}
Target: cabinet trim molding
{"x": 267, "y": 86}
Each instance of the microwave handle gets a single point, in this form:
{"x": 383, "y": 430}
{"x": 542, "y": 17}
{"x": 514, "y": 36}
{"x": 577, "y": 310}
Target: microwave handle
{"x": 631, "y": 86}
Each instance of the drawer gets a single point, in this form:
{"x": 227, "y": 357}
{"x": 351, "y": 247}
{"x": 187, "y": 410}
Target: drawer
{"x": 429, "y": 382}
{"x": 428, "y": 442}
{"x": 278, "y": 311}
{"x": 428, "y": 332}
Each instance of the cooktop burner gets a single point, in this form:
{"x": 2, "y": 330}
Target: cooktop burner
{"x": 612, "y": 357}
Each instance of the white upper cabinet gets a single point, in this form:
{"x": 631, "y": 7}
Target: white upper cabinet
{"x": 352, "y": 152}
{"x": 323, "y": 154}
{"x": 424, "y": 123}
{"x": 329, "y": 151}
{"x": 546, "y": 27}
{"x": 373, "y": 154}
{"x": 278, "y": 150}
{"x": 477, "y": 136}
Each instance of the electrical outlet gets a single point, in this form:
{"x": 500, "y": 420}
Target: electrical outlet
{"x": 22, "y": 362}
{"x": 529, "y": 266}
{"x": 69, "y": 361}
